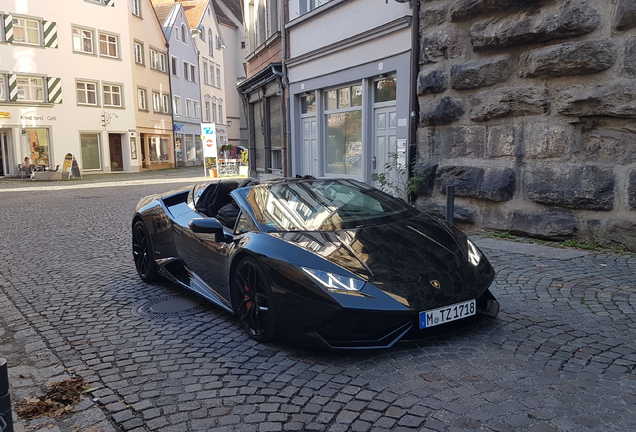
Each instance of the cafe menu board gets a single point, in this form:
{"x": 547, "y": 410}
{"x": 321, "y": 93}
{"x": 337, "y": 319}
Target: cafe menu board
{"x": 71, "y": 167}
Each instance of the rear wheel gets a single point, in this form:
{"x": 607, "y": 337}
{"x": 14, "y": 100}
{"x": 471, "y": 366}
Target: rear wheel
{"x": 253, "y": 302}
{"x": 143, "y": 253}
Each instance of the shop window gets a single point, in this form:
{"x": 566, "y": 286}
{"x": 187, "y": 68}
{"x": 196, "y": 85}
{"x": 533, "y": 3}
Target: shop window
{"x": 35, "y": 142}
{"x": 198, "y": 144}
{"x": 165, "y": 148}
{"x": 90, "y": 152}
{"x": 155, "y": 149}
{"x": 343, "y": 140}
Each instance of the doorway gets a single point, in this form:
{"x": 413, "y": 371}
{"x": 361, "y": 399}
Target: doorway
{"x": 116, "y": 158}
{"x": 4, "y": 166}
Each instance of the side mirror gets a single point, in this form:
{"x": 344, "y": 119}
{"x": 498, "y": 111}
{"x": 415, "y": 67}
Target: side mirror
{"x": 208, "y": 226}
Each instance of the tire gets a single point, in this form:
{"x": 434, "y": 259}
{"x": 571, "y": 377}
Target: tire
{"x": 253, "y": 301}
{"x": 144, "y": 254}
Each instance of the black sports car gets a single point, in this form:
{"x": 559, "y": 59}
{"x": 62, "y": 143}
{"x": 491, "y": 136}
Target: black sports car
{"x": 333, "y": 262}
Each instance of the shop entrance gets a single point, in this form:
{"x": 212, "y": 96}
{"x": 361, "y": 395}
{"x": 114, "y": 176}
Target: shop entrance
{"x": 4, "y": 154}
{"x": 116, "y": 158}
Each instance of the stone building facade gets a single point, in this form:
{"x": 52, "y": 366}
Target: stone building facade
{"x": 528, "y": 108}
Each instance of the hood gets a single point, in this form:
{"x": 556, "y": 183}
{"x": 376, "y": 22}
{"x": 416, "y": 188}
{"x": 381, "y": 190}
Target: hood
{"x": 408, "y": 251}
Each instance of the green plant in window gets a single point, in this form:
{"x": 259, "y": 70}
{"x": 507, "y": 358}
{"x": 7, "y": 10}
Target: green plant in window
{"x": 393, "y": 179}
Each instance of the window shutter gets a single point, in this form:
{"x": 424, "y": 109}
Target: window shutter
{"x": 54, "y": 89}
{"x": 8, "y": 28}
{"x": 50, "y": 34}
{"x": 13, "y": 87}
{"x": 109, "y": 3}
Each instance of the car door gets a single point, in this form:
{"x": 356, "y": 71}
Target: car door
{"x": 204, "y": 256}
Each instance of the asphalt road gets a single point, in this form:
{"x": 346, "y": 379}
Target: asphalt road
{"x": 560, "y": 357}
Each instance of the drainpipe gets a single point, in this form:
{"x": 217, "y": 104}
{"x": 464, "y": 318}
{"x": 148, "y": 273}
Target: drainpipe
{"x": 414, "y": 106}
{"x": 286, "y": 100}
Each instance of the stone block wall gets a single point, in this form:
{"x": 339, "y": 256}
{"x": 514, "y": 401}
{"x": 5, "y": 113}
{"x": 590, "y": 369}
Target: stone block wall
{"x": 528, "y": 107}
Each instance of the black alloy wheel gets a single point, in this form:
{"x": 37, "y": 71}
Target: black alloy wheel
{"x": 253, "y": 302}
{"x": 143, "y": 253}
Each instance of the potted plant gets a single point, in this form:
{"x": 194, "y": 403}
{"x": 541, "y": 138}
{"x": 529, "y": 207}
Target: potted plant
{"x": 210, "y": 167}
{"x": 244, "y": 167}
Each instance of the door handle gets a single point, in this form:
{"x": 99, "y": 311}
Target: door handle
{"x": 374, "y": 162}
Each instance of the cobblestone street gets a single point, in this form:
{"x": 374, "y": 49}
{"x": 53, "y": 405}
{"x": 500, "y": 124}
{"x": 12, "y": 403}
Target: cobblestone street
{"x": 561, "y": 356}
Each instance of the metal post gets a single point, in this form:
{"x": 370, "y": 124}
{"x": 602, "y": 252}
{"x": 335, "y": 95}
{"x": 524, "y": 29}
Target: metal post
{"x": 6, "y": 421}
{"x": 450, "y": 204}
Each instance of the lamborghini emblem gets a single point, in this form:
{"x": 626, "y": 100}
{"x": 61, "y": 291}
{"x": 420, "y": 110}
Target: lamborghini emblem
{"x": 435, "y": 284}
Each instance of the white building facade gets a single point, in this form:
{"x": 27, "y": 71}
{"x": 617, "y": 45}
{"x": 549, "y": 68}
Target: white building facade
{"x": 348, "y": 88}
{"x": 48, "y": 109}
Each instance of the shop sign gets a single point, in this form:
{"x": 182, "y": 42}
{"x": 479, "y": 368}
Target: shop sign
{"x": 4, "y": 114}
{"x": 179, "y": 127}
{"x": 208, "y": 133}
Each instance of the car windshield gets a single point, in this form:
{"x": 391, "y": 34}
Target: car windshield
{"x": 322, "y": 205}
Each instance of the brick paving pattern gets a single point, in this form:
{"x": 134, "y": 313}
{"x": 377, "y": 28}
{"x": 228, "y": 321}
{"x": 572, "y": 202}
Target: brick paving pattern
{"x": 560, "y": 357}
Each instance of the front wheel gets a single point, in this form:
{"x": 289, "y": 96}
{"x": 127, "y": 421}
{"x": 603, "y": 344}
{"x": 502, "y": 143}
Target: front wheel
{"x": 144, "y": 254}
{"x": 253, "y": 302}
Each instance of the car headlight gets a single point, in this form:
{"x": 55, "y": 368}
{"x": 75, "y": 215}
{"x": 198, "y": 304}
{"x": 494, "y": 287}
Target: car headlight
{"x": 334, "y": 282}
{"x": 474, "y": 255}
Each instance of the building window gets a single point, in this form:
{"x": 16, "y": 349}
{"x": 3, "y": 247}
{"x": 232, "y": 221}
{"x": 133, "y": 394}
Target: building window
{"x": 220, "y": 111}
{"x": 193, "y": 73}
{"x": 202, "y": 33}
{"x": 112, "y": 95}
{"x": 343, "y": 119}
{"x": 213, "y": 113}
{"x": 173, "y": 62}
{"x": 165, "y": 103}
{"x": 210, "y": 43}
{"x": 3, "y": 93}
{"x": 108, "y": 45}
{"x": 188, "y": 112}
{"x": 83, "y": 40}
{"x": 162, "y": 62}
{"x": 86, "y": 93}
{"x": 154, "y": 60}
{"x": 136, "y": 8}
{"x": 212, "y": 75}
{"x": 141, "y": 99}
{"x": 218, "y": 77}
{"x": 183, "y": 34}
{"x": 156, "y": 102}
{"x": 207, "y": 111}
{"x": 219, "y": 43}
{"x": 30, "y": 89}
{"x": 205, "y": 73}
{"x": 26, "y": 31}
{"x": 139, "y": 53}
{"x": 195, "y": 109}
{"x": 185, "y": 71}
{"x": 176, "y": 105}
{"x": 308, "y": 5}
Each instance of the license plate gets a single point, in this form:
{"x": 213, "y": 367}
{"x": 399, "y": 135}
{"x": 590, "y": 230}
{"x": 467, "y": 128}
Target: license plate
{"x": 447, "y": 314}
